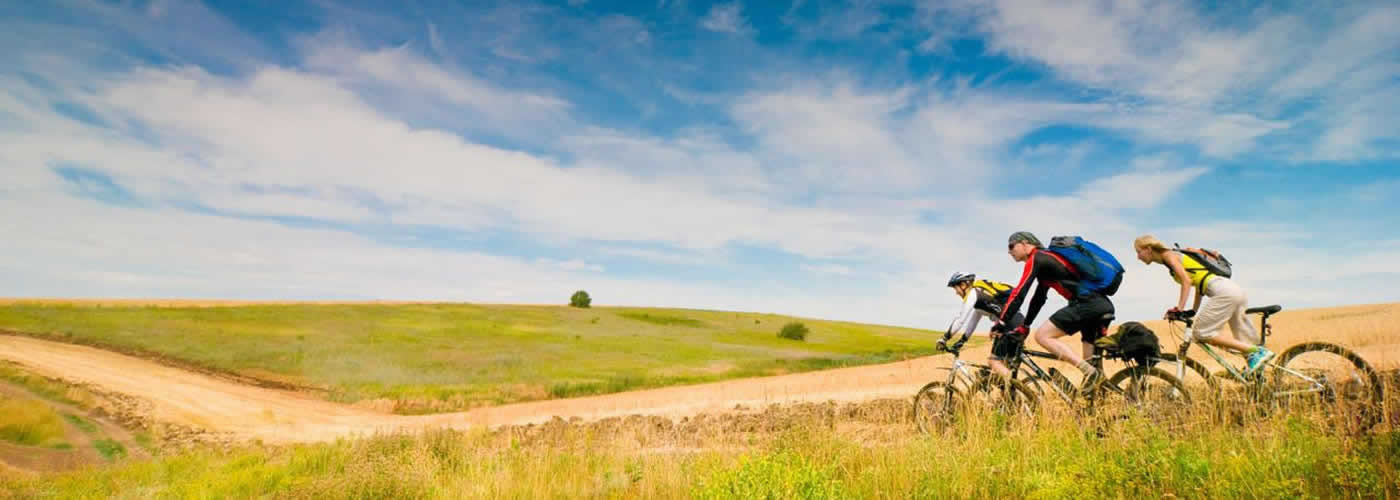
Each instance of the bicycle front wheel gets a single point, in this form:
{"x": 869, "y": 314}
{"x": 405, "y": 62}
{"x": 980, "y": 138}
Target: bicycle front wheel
{"x": 934, "y": 406}
{"x": 1193, "y": 374}
{"x": 1329, "y": 378}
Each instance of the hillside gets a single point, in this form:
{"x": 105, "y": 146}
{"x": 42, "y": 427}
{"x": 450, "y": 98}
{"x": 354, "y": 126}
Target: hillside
{"x": 417, "y": 358}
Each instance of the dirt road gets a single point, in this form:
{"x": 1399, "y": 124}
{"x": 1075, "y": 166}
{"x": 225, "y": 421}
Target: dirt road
{"x": 276, "y": 416}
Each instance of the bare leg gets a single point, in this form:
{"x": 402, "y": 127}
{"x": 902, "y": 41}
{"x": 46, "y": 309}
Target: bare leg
{"x": 1229, "y": 342}
{"x": 1046, "y": 335}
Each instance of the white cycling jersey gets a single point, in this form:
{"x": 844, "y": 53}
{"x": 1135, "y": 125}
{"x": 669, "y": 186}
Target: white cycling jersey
{"x": 969, "y": 315}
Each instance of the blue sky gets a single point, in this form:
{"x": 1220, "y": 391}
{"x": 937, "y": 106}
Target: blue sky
{"x": 827, "y": 159}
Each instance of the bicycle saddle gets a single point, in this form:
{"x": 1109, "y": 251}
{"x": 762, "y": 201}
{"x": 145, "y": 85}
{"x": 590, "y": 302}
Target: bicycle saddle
{"x": 1265, "y": 310}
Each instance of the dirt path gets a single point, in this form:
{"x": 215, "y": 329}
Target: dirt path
{"x": 276, "y": 416}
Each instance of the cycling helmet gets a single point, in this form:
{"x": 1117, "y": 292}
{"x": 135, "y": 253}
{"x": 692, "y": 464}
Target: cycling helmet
{"x": 961, "y": 277}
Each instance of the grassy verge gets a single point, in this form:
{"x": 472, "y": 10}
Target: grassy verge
{"x": 819, "y": 454}
{"x": 29, "y": 423}
{"x": 48, "y": 389}
{"x": 439, "y": 357}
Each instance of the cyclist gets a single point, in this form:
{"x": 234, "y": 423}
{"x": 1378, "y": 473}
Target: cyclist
{"x": 982, "y": 298}
{"x": 1088, "y": 315}
{"x": 1227, "y": 302}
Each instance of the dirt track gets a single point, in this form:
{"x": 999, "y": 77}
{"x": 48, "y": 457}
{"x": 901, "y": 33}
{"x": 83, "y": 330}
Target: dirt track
{"x": 276, "y": 416}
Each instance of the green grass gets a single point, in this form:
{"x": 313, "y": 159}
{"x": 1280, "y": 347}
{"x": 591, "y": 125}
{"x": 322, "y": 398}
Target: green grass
{"x": 442, "y": 357}
{"x": 80, "y": 423}
{"x": 109, "y": 449}
{"x": 45, "y": 388}
{"x": 30, "y": 423}
{"x": 1276, "y": 457}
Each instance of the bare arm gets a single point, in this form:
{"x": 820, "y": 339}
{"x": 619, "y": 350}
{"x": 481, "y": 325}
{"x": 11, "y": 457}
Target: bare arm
{"x": 1181, "y": 277}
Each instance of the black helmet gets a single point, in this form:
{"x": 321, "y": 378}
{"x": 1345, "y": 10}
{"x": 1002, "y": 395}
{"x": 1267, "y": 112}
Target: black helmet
{"x": 961, "y": 277}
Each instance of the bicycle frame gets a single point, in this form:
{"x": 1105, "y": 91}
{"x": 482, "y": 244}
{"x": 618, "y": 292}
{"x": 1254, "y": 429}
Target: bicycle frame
{"x": 960, "y": 367}
{"x": 1235, "y": 373}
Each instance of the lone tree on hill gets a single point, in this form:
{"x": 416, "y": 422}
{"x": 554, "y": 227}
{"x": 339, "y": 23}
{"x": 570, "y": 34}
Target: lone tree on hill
{"x": 580, "y": 299}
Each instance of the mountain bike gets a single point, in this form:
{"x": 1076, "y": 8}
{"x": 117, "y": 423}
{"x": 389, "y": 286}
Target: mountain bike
{"x": 939, "y": 403}
{"x": 1309, "y": 375}
{"x": 1140, "y": 383}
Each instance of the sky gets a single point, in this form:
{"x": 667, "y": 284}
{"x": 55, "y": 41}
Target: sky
{"x": 823, "y": 159}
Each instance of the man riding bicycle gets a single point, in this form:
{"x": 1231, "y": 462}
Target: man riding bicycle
{"x": 982, "y": 298}
{"x": 1088, "y": 314}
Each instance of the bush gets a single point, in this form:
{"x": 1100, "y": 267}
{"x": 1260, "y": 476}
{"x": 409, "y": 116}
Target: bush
{"x": 794, "y": 331}
{"x": 580, "y": 299}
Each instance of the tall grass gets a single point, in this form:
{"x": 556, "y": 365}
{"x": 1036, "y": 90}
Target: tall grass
{"x": 811, "y": 451}
{"x": 29, "y": 422}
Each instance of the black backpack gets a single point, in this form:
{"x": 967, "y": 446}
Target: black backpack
{"x": 1137, "y": 342}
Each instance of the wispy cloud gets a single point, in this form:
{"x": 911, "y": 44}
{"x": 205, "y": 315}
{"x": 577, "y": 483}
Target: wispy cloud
{"x": 727, "y": 18}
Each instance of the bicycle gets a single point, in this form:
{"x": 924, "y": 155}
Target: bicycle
{"x": 1309, "y": 374}
{"x": 1146, "y": 384}
{"x": 938, "y": 402}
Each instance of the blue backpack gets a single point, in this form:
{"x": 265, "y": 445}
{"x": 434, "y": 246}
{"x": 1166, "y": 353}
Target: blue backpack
{"x": 1098, "y": 270}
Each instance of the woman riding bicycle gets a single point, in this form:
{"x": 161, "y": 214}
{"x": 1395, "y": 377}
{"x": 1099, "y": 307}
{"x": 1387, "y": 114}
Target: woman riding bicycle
{"x": 983, "y": 298}
{"x": 1227, "y": 301}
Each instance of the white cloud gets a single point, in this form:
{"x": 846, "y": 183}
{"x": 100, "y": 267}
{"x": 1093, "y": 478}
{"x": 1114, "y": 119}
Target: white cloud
{"x": 828, "y": 268}
{"x": 1222, "y": 86}
{"x": 727, "y": 18}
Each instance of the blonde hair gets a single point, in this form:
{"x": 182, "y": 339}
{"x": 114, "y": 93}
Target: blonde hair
{"x": 1149, "y": 241}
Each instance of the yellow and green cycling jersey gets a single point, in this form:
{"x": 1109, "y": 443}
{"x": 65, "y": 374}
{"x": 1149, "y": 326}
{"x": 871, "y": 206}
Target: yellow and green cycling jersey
{"x": 1198, "y": 273}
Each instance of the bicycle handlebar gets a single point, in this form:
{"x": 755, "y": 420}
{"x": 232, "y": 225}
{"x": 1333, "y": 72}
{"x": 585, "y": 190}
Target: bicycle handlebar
{"x": 1183, "y": 316}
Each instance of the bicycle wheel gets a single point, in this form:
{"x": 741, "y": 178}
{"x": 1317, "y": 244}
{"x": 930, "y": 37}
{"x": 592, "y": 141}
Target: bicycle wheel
{"x": 1193, "y": 374}
{"x": 1329, "y": 378}
{"x": 1150, "y": 389}
{"x": 934, "y": 406}
{"x": 1010, "y": 397}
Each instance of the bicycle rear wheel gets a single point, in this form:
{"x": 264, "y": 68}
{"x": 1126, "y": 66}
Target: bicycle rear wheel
{"x": 934, "y": 406}
{"x": 1009, "y": 397}
{"x": 1150, "y": 389}
{"x": 1331, "y": 379}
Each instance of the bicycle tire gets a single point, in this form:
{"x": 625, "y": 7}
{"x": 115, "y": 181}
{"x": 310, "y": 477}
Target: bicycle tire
{"x": 1176, "y": 400}
{"x": 1368, "y": 407}
{"x": 927, "y": 421}
{"x": 1212, "y": 383}
{"x": 1013, "y": 395}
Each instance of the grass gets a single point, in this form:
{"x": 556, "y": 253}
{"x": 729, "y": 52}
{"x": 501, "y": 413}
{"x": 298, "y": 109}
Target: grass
{"x": 816, "y": 451}
{"x": 80, "y": 423}
{"x": 49, "y": 389}
{"x": 440, "y": 357}
{"x": 30, "y": 423}
{"x": 109, "y": 449}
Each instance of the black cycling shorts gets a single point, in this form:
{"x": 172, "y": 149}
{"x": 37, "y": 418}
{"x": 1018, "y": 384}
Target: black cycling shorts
{"x": 1089, "y": 316}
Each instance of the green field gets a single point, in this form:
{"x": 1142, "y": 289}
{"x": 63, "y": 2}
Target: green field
{"x": 442, "y": 357}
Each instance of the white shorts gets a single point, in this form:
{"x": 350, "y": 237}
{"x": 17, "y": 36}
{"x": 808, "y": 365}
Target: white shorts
{"x": 1226, "y": 303}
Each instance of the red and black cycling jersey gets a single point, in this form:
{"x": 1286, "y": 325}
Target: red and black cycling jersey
{"x": 1050, "y": 271}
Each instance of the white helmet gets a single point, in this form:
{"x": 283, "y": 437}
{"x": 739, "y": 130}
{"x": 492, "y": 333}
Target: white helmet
{"x": 961, "y": 277}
